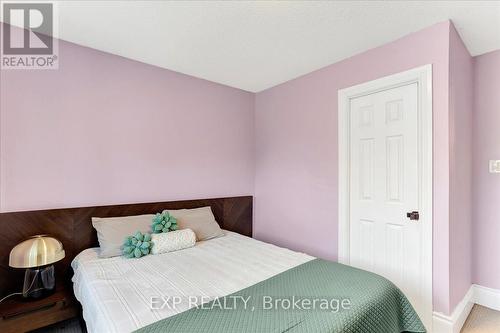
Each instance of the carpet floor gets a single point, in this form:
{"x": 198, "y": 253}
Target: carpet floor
{"x": 482, "y": 320}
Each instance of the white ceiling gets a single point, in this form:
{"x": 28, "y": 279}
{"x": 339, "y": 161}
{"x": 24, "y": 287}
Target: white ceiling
{"x": 254, "y": 45}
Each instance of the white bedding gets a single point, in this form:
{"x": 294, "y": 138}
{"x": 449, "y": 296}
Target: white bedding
{"x": 116, "y": 293}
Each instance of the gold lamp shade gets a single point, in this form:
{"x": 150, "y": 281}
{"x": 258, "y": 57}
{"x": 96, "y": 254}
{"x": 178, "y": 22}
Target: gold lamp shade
{"x": 39, "y": 250}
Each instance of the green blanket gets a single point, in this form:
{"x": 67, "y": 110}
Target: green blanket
{"x": 345, "y": 299}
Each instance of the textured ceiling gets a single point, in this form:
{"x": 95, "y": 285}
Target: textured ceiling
{"x": 256, "y": 45}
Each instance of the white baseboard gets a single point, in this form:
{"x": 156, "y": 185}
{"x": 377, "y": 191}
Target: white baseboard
{"x": 487, "y": 297}
{"x": 453, "y": 323}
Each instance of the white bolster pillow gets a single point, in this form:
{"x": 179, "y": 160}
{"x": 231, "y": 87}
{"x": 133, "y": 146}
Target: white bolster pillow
{"x": 172, "y": 241}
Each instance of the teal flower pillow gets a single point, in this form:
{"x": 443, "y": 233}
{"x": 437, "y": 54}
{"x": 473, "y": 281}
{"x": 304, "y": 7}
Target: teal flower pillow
{"x": 137, "y": 246}
{"x": 164, "y": 222}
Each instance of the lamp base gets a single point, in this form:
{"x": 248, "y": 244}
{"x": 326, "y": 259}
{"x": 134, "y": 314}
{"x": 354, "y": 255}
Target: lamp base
{"x": 39, "y": 282}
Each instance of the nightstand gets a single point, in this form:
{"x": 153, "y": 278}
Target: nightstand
{"x": 20, "y": 315}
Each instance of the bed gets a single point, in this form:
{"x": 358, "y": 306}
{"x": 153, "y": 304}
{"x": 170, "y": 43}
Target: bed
{"x": 125, "y": 295}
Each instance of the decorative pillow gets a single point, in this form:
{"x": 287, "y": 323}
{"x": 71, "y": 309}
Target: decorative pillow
{"x": 200, "y": 220}
{"x": 111, "y": 231}
{"x": 137, "y": 246}
{"x": 164, "y": 222}
{"x": 172, "y": 241}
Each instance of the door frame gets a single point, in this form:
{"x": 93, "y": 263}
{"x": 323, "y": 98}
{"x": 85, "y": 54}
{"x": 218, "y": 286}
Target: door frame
{"x": 423, "y": 77}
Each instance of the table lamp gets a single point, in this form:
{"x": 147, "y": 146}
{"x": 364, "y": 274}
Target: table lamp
{"x": 37, "y": 255}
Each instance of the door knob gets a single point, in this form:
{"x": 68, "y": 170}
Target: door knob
{"x": 414, "y": 216}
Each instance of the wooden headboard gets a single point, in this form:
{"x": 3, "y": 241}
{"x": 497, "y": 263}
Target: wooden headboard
{"x": 73, "y": 227}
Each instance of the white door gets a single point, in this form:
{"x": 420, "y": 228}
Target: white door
{"x": 384, "y": 187}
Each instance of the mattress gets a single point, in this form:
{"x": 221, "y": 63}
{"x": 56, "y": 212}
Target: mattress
{"x": 118, "y": 294}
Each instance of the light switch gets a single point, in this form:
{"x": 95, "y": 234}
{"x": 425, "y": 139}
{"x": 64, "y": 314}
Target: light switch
{"x": 494, "y": 166}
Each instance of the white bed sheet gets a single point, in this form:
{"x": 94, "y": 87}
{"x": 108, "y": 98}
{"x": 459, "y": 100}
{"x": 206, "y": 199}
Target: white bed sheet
{"x": 116, "y": 293}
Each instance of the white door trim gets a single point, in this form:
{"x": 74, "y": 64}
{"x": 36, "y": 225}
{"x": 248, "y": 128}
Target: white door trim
{"x": 423, "y": 77}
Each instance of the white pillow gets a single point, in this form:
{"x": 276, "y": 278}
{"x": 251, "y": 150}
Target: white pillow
{"x": 112, "y": 231}
{"x": 172, "y": 241}
{"x": 200, "y": 220}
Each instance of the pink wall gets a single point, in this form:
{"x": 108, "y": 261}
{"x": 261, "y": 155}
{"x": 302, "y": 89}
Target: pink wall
{"x": 461, "y": 105}
{"x": 486, "y": 189}
{"x": 103, "y": 129}
{"x": 296, "y": 149}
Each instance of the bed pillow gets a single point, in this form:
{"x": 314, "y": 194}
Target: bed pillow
{"x": 137, "y": 246}
{"x": 200, "y": 220}
{"x": 164, "y": 222}
{"x": 172, "y": 241}
{"x": 112, "y": 231}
